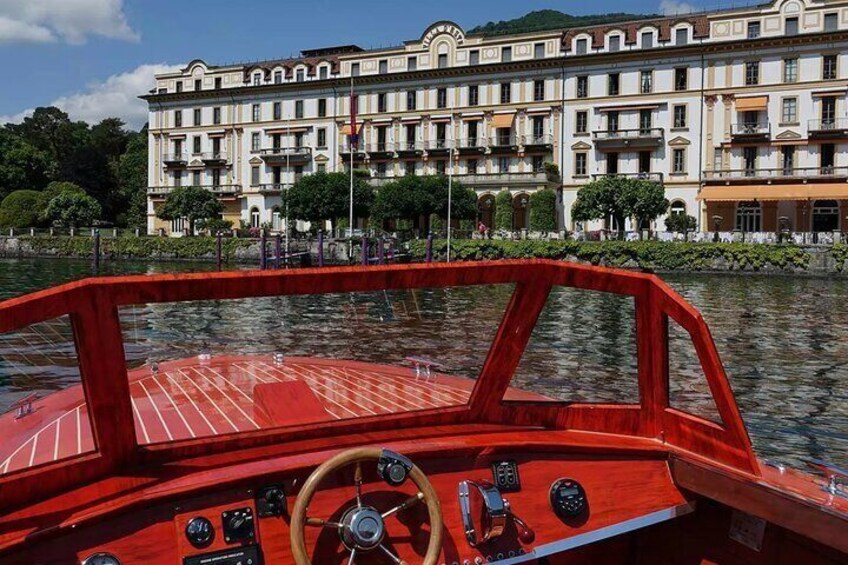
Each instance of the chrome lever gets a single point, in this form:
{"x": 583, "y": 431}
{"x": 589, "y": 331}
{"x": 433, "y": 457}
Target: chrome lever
{"x": 834, "y": 476}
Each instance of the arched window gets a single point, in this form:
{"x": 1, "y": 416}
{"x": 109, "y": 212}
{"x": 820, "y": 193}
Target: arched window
{"x": 677, "y": 207}
{"x": 254, "y": 217}
{"x": 748, "y": 217}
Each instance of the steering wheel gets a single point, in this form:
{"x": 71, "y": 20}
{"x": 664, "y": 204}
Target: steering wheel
{"x": 362, "y": 528}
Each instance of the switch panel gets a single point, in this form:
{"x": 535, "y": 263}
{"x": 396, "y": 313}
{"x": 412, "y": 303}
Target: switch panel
{"x": 505, "y": 476}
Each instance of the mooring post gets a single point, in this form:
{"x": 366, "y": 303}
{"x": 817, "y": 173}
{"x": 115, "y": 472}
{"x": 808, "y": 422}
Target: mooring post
{"x": 391, "y": 256}
{"x": 364, "y": 251}
{"x": 381, "y": 252}
{"x": 219, "y": 249}
{"x": 430, "y": 247}
{"x": 278, "y": 251}
{"x": 95, "y": 255}
{"x": 263, "y": 259}
{"x": 320, "y": 248}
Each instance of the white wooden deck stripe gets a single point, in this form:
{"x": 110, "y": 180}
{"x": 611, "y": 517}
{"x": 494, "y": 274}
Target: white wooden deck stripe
{"x": 433, "y": 388}
{"x": 34, "y": 446}
{"x": 156, "y": 409}
{"x": 79, "y": 429}
{"x": 34, "y": 439}
{"x": 412, "y": 401}
{"x": 140, "y": 421}
{"x": 58, "y": 429}
{"x": 212, "y": 402}
{"x": 228, "y": 397}
{"x": 193, "y": 403}
{"x": 174, "y": 404}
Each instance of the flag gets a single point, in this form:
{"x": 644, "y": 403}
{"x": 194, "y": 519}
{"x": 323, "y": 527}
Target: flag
{"x": 354, "y": 132}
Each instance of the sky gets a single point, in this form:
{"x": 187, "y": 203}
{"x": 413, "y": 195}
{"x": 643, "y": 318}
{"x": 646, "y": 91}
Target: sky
{"x": 93, "y": 58}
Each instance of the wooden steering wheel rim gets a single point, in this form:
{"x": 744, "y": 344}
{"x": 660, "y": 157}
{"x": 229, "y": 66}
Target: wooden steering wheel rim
{"x": 348, "y": 457}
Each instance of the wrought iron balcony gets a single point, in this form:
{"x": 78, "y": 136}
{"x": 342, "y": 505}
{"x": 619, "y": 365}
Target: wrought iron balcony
{"x": 622, "y": 139}
{"x": 754, "y": 175}
{"x": 538, "y": 142}
{"x": 503, "y": 144}
{"x": 283, "y": 155}
{"x": 654, "y": 177}
{"x": 438, "y": 146}
{"x": 272, "y": 188}
{"x": 219, "y": 189}
{"x": 215, "y": 158}
{"x": 471, "y": 145}
{"x": 833, "y": 128}
{"x": 409, "y": 148}
{"x": 502, "y": 179}
{"x": 179, "y": 159}
{"x": 750, "y": 131}
{"x": 381, "y": 149}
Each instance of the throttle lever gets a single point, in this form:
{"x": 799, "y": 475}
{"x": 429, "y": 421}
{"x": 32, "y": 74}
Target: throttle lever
{"x": 525, "y": 533}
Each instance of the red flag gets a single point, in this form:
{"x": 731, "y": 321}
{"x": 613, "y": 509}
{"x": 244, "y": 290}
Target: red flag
{"x": 354, "y": 132}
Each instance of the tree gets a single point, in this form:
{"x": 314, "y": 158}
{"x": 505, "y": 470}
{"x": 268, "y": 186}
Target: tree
{"x": 111, "y": 138}
{"x": 543, "y": 215}
{"x": 53, "y": 190}
{"x": 680, "y": 223}
{"x": 132, "y": 181}
{"x": 417, "y": 198}
{"x": 192, "y": 203}
{"x": 73, "y": 209}
{"x": 503, "y": 210}
{"x": 89, "y": 168}
{"x": 20, "y": 209}
{"x": 614, "y": 199}
{"x": 50, "y": 130}
{"x": 22, "y": 166}
{"x": 326, "y": 196}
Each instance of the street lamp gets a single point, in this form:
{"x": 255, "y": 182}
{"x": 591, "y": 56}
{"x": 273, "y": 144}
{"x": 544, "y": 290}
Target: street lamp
{"x": 716, "y": 226}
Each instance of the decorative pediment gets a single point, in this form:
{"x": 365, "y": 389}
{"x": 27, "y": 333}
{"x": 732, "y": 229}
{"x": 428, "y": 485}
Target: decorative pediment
{"x": 788, "y": 134}
{"x": 581, "y": 146}
{"x": 194, "y": 163}
{"x": 321, "y": 159}
{"x": 679, "y": 142}
{"x": 255, "y": 161}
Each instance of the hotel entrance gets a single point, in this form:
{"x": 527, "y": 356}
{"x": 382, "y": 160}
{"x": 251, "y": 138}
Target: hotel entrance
{"x": 825, "y": 216}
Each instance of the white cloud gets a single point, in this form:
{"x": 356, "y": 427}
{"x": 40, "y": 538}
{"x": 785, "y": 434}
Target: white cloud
{"x": 117, "y": 96}
{"x": 673, "y": 7}
{"x": 72, "y": 21}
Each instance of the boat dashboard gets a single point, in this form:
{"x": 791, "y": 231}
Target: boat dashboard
{"x": 374, "y": 505}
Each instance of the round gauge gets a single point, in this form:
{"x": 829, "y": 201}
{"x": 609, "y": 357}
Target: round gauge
{"x": 200, "y": 531}
{"x": 101, "y": 559}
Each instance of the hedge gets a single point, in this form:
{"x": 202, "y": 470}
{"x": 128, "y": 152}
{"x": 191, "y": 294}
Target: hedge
{"x": 136, "y": 247}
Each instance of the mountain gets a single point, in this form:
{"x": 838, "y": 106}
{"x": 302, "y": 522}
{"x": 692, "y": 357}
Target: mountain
{"x": 543, "y": 20}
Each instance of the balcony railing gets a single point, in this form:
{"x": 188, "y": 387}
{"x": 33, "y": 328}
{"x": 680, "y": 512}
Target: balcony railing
{"x": 833, "y": 127}
{"x": 283, "y": 152}
{"x": 476, "y": 142}
{"x": 751, "y": 129}
{"x": 220, "y": 189}
{"x": 214, "y": 157}
{"x": 473, "y": 179}
{"x": 655, "y": 177}
{"x": 640, "y": 133}
{"x": 753, "y": 174}
{"x": 409, "y": 146}
{"x": 537, "y": 140}
{"x": 172, "y": 159}
{"x": 438, "y": 145}
{"x": 271, "y": 188}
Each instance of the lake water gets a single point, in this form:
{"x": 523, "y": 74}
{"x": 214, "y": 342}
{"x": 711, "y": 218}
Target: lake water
{"x": 782, "y": 340}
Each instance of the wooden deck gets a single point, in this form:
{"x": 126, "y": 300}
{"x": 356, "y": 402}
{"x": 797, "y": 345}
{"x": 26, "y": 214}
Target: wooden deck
{"x": 198, "y": 398}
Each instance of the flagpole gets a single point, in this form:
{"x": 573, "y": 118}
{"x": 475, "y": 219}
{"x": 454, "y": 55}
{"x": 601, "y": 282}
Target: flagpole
{"x": 450, "y": 176}
{"x": 288, "y": 172}
{"x": 352, "y": 149}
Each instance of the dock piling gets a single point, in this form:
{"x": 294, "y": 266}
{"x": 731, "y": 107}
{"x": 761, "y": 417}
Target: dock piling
{"x": 430, "y": 247}
{"x": 263, "y": 257}
{"x": 320, "y": 248}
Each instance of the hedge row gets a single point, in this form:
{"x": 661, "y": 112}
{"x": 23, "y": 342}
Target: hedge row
{"x": 650, "y": 255}
{"x": 131, "y": 247}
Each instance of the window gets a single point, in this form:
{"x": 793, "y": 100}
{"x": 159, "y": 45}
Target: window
{"x": 753, "y": 30}
{"x": 583, "y": 86}
{"x": 409, "y": 168}
{"x": 195, "y": 178}
{"x": 831, "y": 22}
{"x": 179, "y": 86}
{"x": 539, "y": 51}
{"x": 612, "y": 121}
{"x": 506, "y": 54}
{"x": 474, "y": 57}
{"x": 321, "y": 137}
{"x": 298, "y": 108}
{"x": 255, "y": 142}
{"x": 254, "y": 175}
{"x": 441, "y": 167}
{"x": 644, "y": 161}
{"x": 354, "y": 69}
{"x": 647, "y": 39}
{"x": 412, "y": 63}
{"x": 538, "y": 128}
{"x": 789, "y": 111}
{"x": 613, "y": 80}
{"x": 538, "y": 164}
{"x": 748, "y": 215}
{"x": 257, "y": 79}
{"x": 752, "y": 73}
{"x": 381, "y": 102}
{"x": 718, "y": 158}
{"x": 442, "y": 98}
{"x": 678, "y": 161}
{"x": 298, "y": 139}
{"x": 381, "y": 169}
{"x": 198, "y": 84}
{"x": 681, "y": 78}
{"x": 441, "y": 134}
{"x": 443, "y": 61}
{"x": 322, "y": 72}
{"x": 580, "y": 46}
{"x": 828, "y": 111}
{"x": 787, "y": 155}
{"x": 749, "y": 160}
{"x": 195, "y": 144}
{"x": 612, "y": 163}
{"x": 538, "y": 90}
{"x": 790, "y": 70}
{"x": 615, "y": 43}
{"x": 383, "y": 67}
{"x": 321, "y": 168}
{"x": 299, "y": 76}
{"x": 828, "y": 156}
{"x": 646, "y": 119}
{"x": 677, "y": 208}
{"x": 581, "y": 121}
{"x": 322, "y": 107}
{"x": 506, "y": 93}
{"x": 471, "y": 166}
{"x": 680, "y": 116}
{"x": 791, "y": 27}
{"x": 503, "y": 164}
{"x": 473, "y": 95}
{"x": 411, "y": 100}
{"x": 681, "y": 36}
{"x": 178, "y": 178}
{"x": 278, "y": 110}
{"x": 829, "y": 67}
{"x": 278, "y": 77}
{"x": 472, "y": 133}
{"x": 646, "y": 82}
{"x": 580, "y": 164}
{"x": 257, "y": 112}
{"x": 411, "y": 135}
{"x": 217, "y": 83}
{"x": 197, "y": 117}
{"x": 178, "y": 118}
{"x": 216, "y": 115}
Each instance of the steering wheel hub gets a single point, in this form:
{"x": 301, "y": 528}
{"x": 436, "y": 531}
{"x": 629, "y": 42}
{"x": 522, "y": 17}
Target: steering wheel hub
{"x": 362, "y": 528}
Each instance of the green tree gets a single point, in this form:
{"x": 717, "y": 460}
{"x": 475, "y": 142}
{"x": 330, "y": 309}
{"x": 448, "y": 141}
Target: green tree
{"x": 53, "y": 190}
{"x": 326, "y": 196}
{"x": 88, "y": 167}
{"x": 543, "y": 215}
{"x": 680, "y": 223}
{"x": 416, "y": 198}
{"x": 22, "y": 166}
{"x": 503, "y": 210}
{"x": 111, "y": 138}
{"x": 132, "y": 181}
{"x": 50, "y": 130}
{"x": 20, "y": 209}
{"x": 192, "y": 203}
{"x": 647, "y": 200}
{"x": 73, "y": 209}
{"x": 614, "y": 199}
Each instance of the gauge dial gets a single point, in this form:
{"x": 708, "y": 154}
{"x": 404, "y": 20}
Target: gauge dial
{"x": 101, "y": 559}
{"x": 200, "y": 531}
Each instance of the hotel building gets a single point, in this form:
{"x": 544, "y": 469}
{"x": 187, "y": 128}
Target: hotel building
{"x": 741, "y": 115}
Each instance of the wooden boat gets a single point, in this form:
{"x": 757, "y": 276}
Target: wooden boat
{"x": 249, "y": 459}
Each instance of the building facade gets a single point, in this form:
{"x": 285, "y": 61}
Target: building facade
{"x": 740, "y": 114}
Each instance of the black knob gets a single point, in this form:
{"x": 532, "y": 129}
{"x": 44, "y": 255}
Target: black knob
{"x": 200, "y": 531}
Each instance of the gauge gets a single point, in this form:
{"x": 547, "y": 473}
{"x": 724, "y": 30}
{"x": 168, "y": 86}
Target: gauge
{"x": 568, "y": 499}
{"x": 200, "y": 531}
{"x": 101, "y": 559}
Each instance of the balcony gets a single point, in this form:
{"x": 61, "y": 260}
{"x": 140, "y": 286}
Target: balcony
{"x": 214, "y": 158}
{"x": 409, "y": 148}
{"x": 538, "y": 142}
{"x": 784, "y": 174}
{"x": 628, "y": 139}
{"x": 493, "y": 180}
{"x": 654, "y": 177}
{"x": 750, "y": 132}
{"x": 437, "y": 146}
{"x": 833, "y": 128}
{"x": 223, "y": 190}
{"x": 503, "y": 144}
{"x": 286, "y": 155}
{"x": 174, "y": 160}
{"x": 471, "y": 145}
{"x": 380, "y": 150}
{"x": 272, "y": 188}
{"x": 345, "y": 150}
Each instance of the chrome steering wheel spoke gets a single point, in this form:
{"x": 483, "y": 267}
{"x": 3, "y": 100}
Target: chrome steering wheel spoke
{"x": 391, "y": 554}
{"x": 408, "y": 503}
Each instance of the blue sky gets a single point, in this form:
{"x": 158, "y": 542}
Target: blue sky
{"x": 92, "y": 57}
